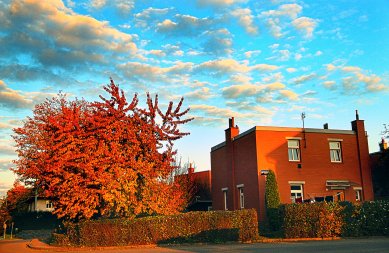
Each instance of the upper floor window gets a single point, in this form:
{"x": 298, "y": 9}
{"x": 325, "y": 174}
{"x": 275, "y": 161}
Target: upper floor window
{"x": 294, "y": 150}
{"x": 335, "y": 151}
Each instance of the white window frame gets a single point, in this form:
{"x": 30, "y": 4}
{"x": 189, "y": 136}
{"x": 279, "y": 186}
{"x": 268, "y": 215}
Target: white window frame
{"x": 295, "y": 192}
{"x": 241, "y": 195}
{"x": 358, "y": 193}
{"x": 225, "y": 190}
{"x": 294, "y": 150}
{"x": 335, "y": 151}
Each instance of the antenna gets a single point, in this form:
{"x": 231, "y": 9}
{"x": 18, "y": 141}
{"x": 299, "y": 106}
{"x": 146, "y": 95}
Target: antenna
{"x": 302, "y": 118}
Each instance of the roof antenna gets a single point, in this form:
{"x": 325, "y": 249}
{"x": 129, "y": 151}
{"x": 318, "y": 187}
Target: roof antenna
{"x": 302, "y": 118}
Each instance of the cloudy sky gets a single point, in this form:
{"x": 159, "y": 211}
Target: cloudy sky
{"x": 263, "y": 62}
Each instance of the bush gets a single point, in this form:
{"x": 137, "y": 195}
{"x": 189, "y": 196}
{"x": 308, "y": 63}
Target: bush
{"x": 213, "y": 226}
{"x": 366, "y": 219}
{"x": 272, "y": 201}
{"x": 313, "y": 220}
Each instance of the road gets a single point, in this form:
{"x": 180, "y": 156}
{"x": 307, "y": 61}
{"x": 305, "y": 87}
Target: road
{"x": 364, "y": 245}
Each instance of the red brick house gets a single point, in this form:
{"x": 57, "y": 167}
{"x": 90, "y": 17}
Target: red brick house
{"x": 199, "y": 183}
{"x": 315, "y": 164}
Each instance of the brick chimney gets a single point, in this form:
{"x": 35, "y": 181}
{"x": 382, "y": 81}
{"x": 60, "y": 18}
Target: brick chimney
{"x": 358, "y": 126}
{"x": 383, "y": 145}
{"x": 232, "y": 130}
{"x": 191, "y": 169}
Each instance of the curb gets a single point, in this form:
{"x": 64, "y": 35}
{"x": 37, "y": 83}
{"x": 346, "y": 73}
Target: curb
{"x": 267, "y": 240}
{"x": 35, "y": 244}
{"x": 38, "y": 245}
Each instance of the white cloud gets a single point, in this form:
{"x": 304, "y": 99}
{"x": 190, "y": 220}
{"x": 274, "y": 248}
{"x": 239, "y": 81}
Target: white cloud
{"x": 203, "y": 93}
{"x": 217, "y": 42}
{"x": 184, "y": 25}
{"x": 329, "y": 84}
{"x": 219, "y": 3}
{"x": 228, "y": 66}
{"x": 98, "y": 3}
{"x": 305, "y": 25}
{"x": 298, "y": 56}
{"x": 304, "y": 78}
{"x": 287, "y": 10}
{"x": 291, "y": 70}
{"x": 13, "y": 99}
{"x": 148, "y": 16}
{"x": 249, "y": 54}
{"x": 288, "y": 94}
{"x": 351, "y": 69}
{"x": 245, "y": 19}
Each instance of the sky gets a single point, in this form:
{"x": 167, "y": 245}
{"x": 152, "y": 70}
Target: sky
{"x": 263, "y": 62}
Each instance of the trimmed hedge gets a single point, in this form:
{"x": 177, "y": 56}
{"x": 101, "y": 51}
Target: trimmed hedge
{"x": 330, "y": 219}
{"x": 214, "y": 226}
{"x": 313, "y": 220}
{"x": 366, "y": 219}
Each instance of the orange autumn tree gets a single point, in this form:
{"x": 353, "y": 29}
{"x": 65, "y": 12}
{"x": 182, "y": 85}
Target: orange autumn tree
{"x": 108, "y": 158}
{"x": 17, "y": 197}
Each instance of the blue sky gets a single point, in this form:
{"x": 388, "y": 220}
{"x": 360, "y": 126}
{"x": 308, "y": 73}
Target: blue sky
{"x": 263, "y": 62}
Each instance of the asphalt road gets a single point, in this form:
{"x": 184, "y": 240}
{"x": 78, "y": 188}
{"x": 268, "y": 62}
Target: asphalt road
{"x": 364, "y": 245}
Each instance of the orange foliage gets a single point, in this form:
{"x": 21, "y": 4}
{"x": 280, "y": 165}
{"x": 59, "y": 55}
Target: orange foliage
{"x": 17, "y": 197}
{"x": 106, "y": 158}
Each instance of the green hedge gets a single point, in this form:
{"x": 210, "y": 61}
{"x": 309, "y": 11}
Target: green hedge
{"x": 366, "y": 219}
{"x": 215, "y": 226}
{"x": 313, "y": 220}
{"x": 334, "y": 219}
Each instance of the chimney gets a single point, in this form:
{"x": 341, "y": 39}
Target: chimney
{"x": 383, "y": 145}
{"x": 232, "y": 130}
{"x": 190, "y": 169}
{"x": 356, "y": 115}
{"x": 325, "y": 126}
{"x": 231, "y": 122}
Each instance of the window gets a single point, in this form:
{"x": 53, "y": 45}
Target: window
{"x": 358, "y": 193}
{"x": 49, "y": 204}
{"x": 241, "y": 196}
{"x": 225, "y": 190}
{"x": 296, "y": 193}
{"x": 294, "y": 150}
{"x": 335, "y": 151}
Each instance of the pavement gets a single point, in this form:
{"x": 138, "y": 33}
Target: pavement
{"x": 301, "y": 245}
{"x": 36, "y": 244}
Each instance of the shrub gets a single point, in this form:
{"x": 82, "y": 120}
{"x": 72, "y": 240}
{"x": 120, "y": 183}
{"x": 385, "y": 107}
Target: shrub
{"x": 366, "y": 219}
{"x": 213, "y": 226}
{"x": 272, "y": 200}
{"x": 313, "y": 220}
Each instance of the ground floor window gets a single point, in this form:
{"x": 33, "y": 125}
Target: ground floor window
{"x": 241, "y": 197}
{"x": 296, "y": 193}
{"x": 358, "y": 194}
{"x": 225, "y": 190}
